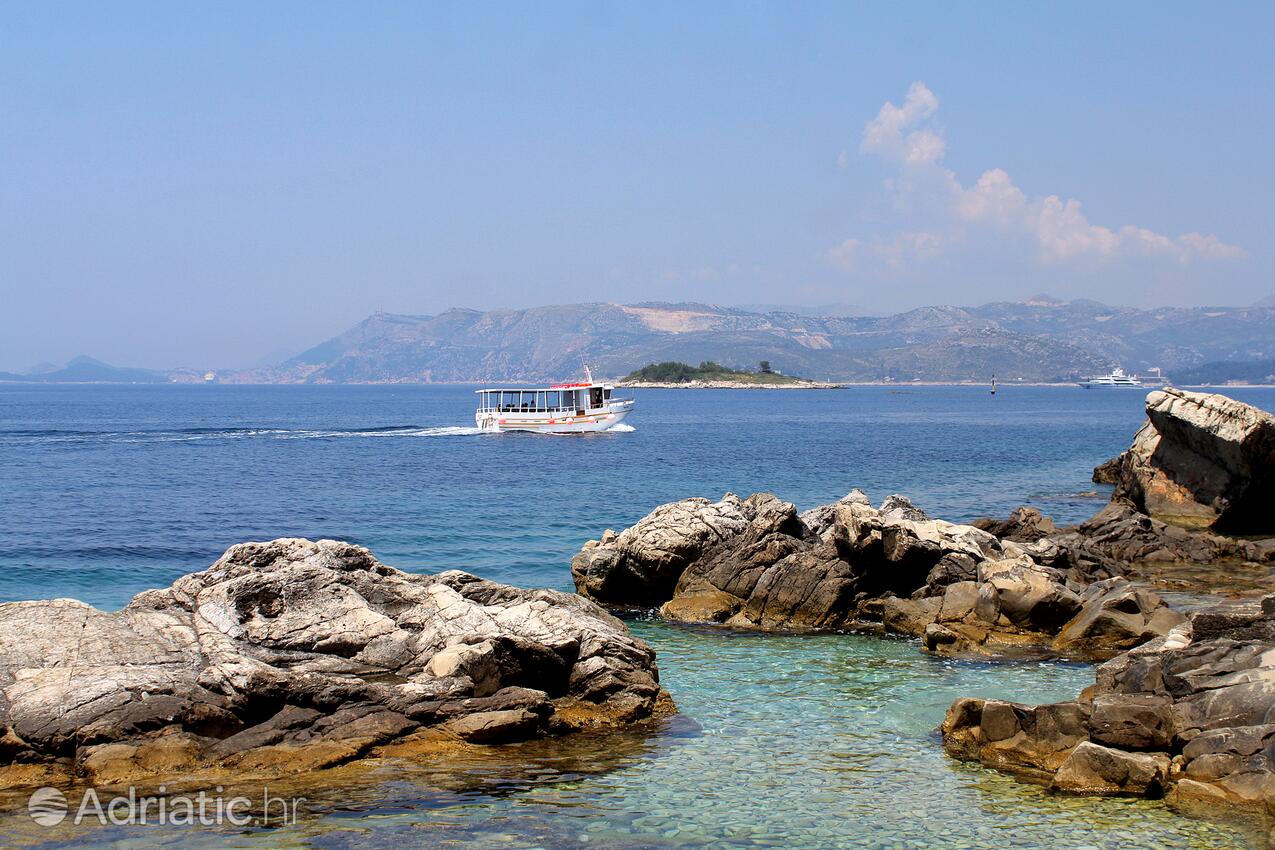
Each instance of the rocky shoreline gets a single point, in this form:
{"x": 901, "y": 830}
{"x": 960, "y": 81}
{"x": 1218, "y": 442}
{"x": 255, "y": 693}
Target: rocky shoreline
{"x": 293, "y": 656}
{"x": 757, "y": 564}
{"x": 1187, "y": 717}
{"x": 1184, "y": 705}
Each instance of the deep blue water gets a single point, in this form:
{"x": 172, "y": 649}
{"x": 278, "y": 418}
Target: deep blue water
{"x": 784, "y": 741}
{"x": 107, "y": 491}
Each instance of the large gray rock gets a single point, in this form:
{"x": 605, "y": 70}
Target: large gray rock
{"x": 641, "y": 565}
{"x": 1201, "y": 460}
{"x": 295, "y": 654}
{"x": 757, "y": 563}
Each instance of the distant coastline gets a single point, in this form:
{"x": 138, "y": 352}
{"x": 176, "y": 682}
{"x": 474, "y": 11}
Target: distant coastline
{"x": 729, "y": 385}
{"x": 693, "y": 385}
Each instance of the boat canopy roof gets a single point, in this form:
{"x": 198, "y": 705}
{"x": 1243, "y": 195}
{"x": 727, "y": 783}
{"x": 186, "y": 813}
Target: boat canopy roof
{"x": 553, "y": 388}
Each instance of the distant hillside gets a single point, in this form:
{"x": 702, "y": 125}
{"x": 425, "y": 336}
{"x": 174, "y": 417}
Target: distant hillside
{"x": 86, "y": 370}
{"x": 1042, "y": 339}
{"x": 1248, "y": 371}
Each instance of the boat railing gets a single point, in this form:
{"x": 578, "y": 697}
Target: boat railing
{"x": 531, "y": 408}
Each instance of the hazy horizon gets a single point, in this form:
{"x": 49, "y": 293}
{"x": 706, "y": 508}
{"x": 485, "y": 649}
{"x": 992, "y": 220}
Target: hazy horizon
{"x": 226, "y": 186}
{"x": 280, "y": 355}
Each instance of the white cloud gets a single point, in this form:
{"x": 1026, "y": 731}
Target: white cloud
{"x": 846, "y": 255}
{"x": 994, "y": 208}
{"x": 884, "y": 134}
{"x": 1210, "y": 247}
{"x": 895, "y": 252}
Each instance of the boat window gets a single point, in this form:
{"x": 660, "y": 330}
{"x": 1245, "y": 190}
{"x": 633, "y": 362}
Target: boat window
{"x": 595, "y": 396}
{"x": 606, "y": 393}
{"x": 568, "y": 399}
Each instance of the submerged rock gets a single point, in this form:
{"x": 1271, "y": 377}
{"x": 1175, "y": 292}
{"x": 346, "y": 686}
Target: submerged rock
{"x": 294, "y": 655}
{"x": 1201, "y": 460}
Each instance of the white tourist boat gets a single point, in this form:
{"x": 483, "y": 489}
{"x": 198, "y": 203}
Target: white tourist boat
{"x": 1117, "y": 379}
{"x": 559, "y": 409}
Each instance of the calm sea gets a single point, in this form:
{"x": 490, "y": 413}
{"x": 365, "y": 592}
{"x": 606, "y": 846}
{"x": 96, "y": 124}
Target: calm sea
{"x": 784, "y": 741}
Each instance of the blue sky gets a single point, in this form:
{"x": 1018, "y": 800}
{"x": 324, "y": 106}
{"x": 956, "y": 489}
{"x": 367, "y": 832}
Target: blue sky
{"x": 218, "y": 184}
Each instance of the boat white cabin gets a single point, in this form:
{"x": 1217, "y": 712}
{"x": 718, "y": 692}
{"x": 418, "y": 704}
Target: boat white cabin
{"x": 559, "y": 409}
{"x": 1117, "y": 379}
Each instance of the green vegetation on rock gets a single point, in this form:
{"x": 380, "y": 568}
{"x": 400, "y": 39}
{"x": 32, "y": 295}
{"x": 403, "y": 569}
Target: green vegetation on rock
{"x": 674, "y": 372}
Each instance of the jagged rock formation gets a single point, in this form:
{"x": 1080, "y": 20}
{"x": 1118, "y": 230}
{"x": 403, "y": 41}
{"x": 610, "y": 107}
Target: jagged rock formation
{"x": 1190, "y": 715}
{"x": 756, "y": 563}
{"x": 1201, "y": 460}
{"x": 295, "y": 655}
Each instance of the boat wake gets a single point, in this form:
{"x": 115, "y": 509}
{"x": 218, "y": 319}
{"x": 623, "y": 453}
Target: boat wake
{"x": 622, "y": 428}
{"x": 190, "y": 435}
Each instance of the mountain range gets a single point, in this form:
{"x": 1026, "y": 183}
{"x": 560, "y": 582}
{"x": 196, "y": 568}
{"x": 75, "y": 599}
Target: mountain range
{"x": 1041, "y": 339}
{"x": 85, "y": 370}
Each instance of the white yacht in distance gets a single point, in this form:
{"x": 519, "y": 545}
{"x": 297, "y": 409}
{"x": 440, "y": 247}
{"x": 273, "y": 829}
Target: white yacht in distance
{"x": 559, "y": 409}
{"x": 1116, "y": 379}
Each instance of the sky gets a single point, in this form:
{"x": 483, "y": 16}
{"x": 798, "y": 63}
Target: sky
{"x": 223, "y": 185}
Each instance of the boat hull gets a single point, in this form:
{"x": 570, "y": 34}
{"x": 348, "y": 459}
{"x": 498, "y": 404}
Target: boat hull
{"x": 591, "y": 421}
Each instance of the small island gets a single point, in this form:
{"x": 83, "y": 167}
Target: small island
{"x": 709, "y": 375}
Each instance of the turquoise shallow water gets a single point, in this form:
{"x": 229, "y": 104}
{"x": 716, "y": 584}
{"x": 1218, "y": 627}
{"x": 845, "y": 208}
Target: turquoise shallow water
{"x": 824, "y": 741}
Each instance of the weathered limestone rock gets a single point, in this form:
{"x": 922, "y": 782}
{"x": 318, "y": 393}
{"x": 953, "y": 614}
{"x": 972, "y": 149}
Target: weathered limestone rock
{"x": 1201, "y": 460}
{"x": 849, "y": 565}
{"x": 1114, "y": 614}
{"x": 642, "y": 564}
{"x": 1119, "y": 536}
{"x": 756, "y": 563}
{"x": 1132, "y": 721}
{"x": 1093, "y": 769}
{"x": 1190, "y": 714}
{"x": 1023, "y": 608}
{"x": 1024, "y": 525}
{"x": 1028, "y": 741}
{"x": 293, "y": 655}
